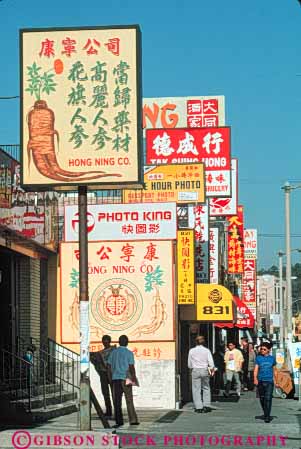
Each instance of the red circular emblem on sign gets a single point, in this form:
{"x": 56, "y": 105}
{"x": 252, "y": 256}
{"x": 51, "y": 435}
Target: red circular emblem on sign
{"x": 115, "y": 304}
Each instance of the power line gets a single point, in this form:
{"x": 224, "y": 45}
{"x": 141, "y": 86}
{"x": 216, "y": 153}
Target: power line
{"x": 9, "y": 98}
{"x": 277, "y": 235}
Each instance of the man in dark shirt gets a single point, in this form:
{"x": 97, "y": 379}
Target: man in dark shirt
{"x": 244, "y": 347}
{"x": 100, "y": 360}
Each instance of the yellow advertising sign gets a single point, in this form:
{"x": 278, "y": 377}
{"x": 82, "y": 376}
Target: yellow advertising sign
{"x": 131, "y": 287}
{"x": 182, "y": 183}
{"x": 81, "y": 107}
{"x": 214, "y": 303}
{"x": 185, "y": 266}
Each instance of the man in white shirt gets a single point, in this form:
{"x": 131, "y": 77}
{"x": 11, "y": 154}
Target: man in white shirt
{"x": 200, "y": 361}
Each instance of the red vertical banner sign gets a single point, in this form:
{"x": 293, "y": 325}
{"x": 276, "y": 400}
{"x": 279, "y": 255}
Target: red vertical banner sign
{"x": 236, "y": 242}
{"x": 249, "y": 285}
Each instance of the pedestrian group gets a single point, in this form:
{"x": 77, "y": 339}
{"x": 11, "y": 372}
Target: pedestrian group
{"x": 240, "y": 369}
{"x": 234, "y": 368}
{"x": 116, "y": 369}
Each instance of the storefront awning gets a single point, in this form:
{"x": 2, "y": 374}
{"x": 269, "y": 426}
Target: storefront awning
{"x": 15, "y": 241}
{"x": 244, "y": 316}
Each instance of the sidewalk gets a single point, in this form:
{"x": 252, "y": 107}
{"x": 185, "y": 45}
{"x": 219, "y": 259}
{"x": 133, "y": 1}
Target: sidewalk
{"x": 227, "y": 418}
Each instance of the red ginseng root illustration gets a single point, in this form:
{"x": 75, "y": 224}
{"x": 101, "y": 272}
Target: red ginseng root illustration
{"x": 41, "y": 143}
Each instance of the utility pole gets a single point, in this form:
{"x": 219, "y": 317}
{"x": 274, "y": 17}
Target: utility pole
{"x": 281, "y": 308}
{"x": 287, "y": 190}
{"x": 85, "y": 408}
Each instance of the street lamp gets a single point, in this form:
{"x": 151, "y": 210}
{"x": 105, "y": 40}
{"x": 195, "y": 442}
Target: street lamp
{"x": 287, "y": 190}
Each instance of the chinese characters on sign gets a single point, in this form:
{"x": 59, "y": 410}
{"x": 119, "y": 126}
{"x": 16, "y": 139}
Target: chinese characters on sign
{"x": 156, "y": 221}
{"x": 182, "y": 112}
{"x": 249, "y": 283}
{"x": 250, "y": 243}
{"x": 213, "y": 255}
{"x": 236, "y": 242}
{"x": 182, "y": 183}
{"x": 226, "y": 206}
{"x": 208, "y": 145}
{"x": 147, "y": 350}
{"x": 185, "y": 265}
{"x": 201, "y": 234}
{"x": 81, "y": 92}
{"x": 202, "y": 113}
{"x": 132, "y": 290}
{"x": 245, "y": 316}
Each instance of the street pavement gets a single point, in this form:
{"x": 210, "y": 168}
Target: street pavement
{"x": 229, "y": 424}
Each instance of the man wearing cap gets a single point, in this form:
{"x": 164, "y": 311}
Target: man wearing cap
{"x": 200, "y": 361}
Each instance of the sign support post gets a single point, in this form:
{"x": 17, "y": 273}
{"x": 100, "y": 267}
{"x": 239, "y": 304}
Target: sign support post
{"x": 85, "y": 408}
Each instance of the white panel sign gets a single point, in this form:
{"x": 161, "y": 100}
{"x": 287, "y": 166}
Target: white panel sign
{"x": 226, "y": 206}
{"x": 154, "y": 221}
{"x": 295, "y": 355}
{"x": 213, "y": 255}
{"x": 250, "y": 243}
{"x": 201, "y": 244}
{"x": 183, "y": 112}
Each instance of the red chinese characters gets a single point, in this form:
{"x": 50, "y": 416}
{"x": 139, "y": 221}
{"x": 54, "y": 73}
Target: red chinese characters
{"x": 202, "y": 113}
{"x": 113, "y": 46}
{"x": 92, "y": 46}
{"x": 147, "y": 352}
{"x": 236, "y": 242}
{"x": 70, "y": 46}
{"x": 47, "y": 48}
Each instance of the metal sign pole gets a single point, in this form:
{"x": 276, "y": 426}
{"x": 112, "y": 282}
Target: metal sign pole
{"x": 85, "y": 408}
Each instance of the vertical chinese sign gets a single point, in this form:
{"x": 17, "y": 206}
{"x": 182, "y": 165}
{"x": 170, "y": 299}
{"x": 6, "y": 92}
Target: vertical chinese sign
{"x": 249, "y": 280}
{"x": 213, "y": 255}
{"x": 185, "y": 265}
{"x": 249, "y": 285}
{"x": 236, "y": 242}
{"x": 81, "y": 107}
{"x": 201, "y": 228}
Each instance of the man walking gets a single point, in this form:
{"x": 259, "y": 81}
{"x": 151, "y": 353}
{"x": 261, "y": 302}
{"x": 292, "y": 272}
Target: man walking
{"x": 123, "y": 375}
{"x": 264, "y": 374}
{"x": 244, "y": 347}
{"x": 234, "y": 361}
{"x": 100, "y": 361}
{"x": 200, "y": 361}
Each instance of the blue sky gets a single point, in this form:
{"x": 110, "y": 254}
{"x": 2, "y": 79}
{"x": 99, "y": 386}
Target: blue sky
{"x": 247, "y": 51}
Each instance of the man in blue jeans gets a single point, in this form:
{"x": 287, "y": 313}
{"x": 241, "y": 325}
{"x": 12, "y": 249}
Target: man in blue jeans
{"x": 121, "y": 371}
{"x": 264, "y": 374}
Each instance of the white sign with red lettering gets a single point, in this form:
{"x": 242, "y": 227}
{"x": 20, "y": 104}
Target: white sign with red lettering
{"x": 227, "y": 206}
{"x": 212, "y": 146}
{"x": 213, "y": 255}
{"x": 201, "y": 234}
{"x": 250, "y": 243}
{"x": 249, "y": 283}
{"x": 182, "y": 112}
{"x": 155, "y": 221}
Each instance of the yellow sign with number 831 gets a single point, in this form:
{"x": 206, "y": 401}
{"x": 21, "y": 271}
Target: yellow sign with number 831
{"x": 214, "y": 303}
